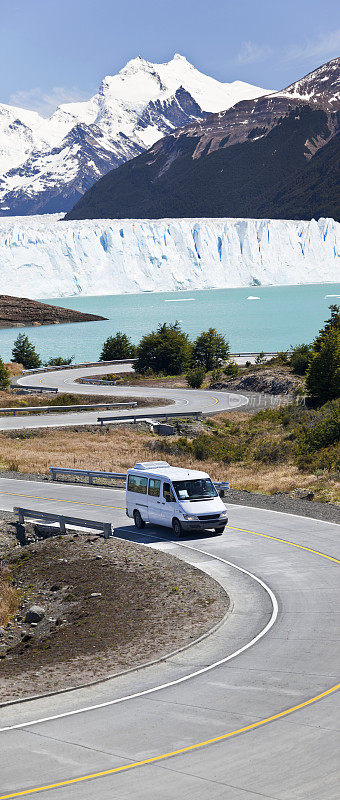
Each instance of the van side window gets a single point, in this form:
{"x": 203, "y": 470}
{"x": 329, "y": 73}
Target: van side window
{"x": 168, "y": 493}
{"x": 137, "y": 484}
{"x": 154, "y": 487}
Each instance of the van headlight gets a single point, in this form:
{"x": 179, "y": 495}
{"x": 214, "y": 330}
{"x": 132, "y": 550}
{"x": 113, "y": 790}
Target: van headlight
{"x": 224, "y": 514}
{"x": 190, "y": 517}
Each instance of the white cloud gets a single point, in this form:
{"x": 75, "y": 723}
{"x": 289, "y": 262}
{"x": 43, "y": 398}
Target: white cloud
{"x": 250, "y": 52}
{"x": 325, "y": 47}
{"x": 45, "y": 102}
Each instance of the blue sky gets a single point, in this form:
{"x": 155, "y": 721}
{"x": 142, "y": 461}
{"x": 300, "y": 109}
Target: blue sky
{"x": 54, "y": 51}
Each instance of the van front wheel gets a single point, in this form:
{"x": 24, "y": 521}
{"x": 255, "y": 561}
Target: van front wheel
{"x": 176, "y": 528}
{"x": 139, "y": 522}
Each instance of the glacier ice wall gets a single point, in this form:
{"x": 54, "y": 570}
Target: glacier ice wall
{"x": 42, "y": 256}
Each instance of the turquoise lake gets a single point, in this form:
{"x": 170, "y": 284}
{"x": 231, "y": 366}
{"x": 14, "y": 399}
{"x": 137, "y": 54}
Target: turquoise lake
{"x": 282, "y": 316}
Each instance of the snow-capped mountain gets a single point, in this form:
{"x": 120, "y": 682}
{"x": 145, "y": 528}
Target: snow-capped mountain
{"x": 47, "y": 164}
{"x": 44, "y": 257}
{"x": 272, "y": 156}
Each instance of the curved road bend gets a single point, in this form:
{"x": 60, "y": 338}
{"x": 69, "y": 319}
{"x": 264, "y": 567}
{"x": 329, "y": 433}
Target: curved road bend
{"x": 288, "y": 757}
{"x": 65, "y": 380}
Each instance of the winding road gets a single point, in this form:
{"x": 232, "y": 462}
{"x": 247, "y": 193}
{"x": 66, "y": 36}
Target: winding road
{"x": 250, "y": 712}
{"x": 182, "y": 400}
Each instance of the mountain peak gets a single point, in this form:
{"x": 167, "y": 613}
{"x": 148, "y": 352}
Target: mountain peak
{"x": 43, "y": 163}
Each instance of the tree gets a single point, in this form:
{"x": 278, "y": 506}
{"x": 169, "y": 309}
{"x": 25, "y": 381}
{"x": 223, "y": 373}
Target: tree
{"x": 195, "y": 377}
{"x": 166, "y": 350}
{"x": 210, "y": 349}
{"x": 300, "y": 358}
{"x": 323, "y": 375}
{"x": 58, "y": 361}
{"x": 333, "y": 323}
{"x": 117, "y": 347}
{"x": 24, "y": 353}
{"x": 4, "y": 375}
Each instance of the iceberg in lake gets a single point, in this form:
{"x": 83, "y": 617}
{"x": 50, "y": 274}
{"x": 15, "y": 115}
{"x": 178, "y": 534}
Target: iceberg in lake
{"x": 42, "y": 256}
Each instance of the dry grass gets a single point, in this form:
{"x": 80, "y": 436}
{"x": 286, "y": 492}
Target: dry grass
{"x": 119, "y": 448}
{"x": 100, "y": 449}
{"x": 14, "y": 369}
{"x": 8, "y": 598}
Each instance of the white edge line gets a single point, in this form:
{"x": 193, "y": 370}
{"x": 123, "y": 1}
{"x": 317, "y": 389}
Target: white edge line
{"x": 191, "y": 675}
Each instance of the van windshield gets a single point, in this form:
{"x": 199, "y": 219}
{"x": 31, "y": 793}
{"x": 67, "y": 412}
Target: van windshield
{"x": 198, "y": 489}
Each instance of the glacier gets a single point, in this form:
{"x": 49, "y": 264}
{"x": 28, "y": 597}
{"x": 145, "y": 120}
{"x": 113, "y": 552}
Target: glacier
{"x": 44, "y": 257}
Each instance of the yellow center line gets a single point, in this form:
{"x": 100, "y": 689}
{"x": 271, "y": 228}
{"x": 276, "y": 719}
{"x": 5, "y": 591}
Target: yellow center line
{"x": 191, "y": 747}
{"x": 61, "y": 500}
{"x": 284, "y": 541}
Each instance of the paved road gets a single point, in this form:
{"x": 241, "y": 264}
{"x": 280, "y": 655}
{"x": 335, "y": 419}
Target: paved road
{"x": 136, "y": 719}
{"x": 183, "y": 400}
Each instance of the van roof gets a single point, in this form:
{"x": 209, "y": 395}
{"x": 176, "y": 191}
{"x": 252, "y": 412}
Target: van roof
{"x": 162, "y": 469}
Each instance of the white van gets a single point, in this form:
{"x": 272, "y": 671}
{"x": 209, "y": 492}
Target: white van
{"x": 181, "y": 499}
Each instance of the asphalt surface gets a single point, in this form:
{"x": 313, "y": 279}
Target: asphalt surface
{"x": 268, "y": 715}
{"x": 183, "y": 400}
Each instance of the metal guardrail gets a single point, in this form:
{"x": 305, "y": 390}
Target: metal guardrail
{"x": 87, "y": 473}
{"x": 36, "y": 389}
{"x": 32, "y": 389}
{"x": 50, "y": 409}
{"x": 166, "y": 415}
{"x": 221, "y": 486}
{"x": 254, "y": 354}
{"x": 77, "y": 366}
{"x": 62, "y": 520}
{"x": 93, "y": 382}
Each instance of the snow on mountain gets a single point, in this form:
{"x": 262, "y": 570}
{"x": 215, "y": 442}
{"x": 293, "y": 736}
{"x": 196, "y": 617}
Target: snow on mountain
{"x": 46, "y": 164}
{"x": 44, "y": 257}
{"x": 321, "y": 86}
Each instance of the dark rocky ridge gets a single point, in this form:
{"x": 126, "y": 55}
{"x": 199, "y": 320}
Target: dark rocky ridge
{"x": 276, "y": 156}
{"x": 20, "y": 311}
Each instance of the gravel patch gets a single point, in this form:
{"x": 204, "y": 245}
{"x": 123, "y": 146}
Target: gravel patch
{"x": 282, "y": 502}
{"x": 90, "y": 608}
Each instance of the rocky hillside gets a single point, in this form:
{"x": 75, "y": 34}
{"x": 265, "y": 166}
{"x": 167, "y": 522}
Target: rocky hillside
{"x": 47, "y": 164}
{"x": 275, "y": 156}
{"x": 17, "y": 312}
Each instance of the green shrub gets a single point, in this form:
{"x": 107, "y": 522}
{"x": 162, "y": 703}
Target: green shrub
{"x": 195, "y": 377}
{"x": 323, "y": 375}
{"x": 216, "y": 375}
{"x": 282, "y": 357}
{"x": 300, "y": 358}
{"x": 4, "y": 375}
{"x": 117, "y": 347}
{"x": 320, "y": 430}
{"x": 58, "y": 361}
{"x": 166, "y": 350}
{"x": 210, "y": 349}
{"x": 231, "y": 370}
{"x": 24, "y": 353}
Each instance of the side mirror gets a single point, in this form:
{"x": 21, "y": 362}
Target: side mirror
{"x": 221, "y": 493}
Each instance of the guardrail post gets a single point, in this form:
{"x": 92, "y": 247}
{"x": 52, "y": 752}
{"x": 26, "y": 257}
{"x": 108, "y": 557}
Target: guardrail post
{"x": 62, "y": 525}
{"x": 90, "y": 478}
{"x": 107, "y": 530}
{"x": 21, "y": 518}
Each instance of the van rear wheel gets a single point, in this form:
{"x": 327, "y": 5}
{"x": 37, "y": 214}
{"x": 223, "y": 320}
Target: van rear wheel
{"x": 139, "y": 522}
{"x": 176, "y": 528}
